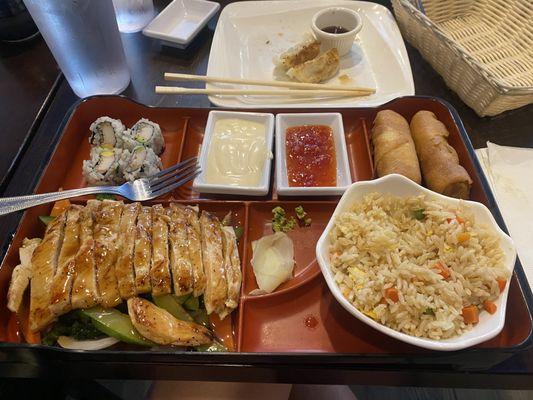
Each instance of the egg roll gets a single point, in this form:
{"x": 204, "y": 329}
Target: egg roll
{"x": 394, "y": 149}
{"x": 439, "y": 161}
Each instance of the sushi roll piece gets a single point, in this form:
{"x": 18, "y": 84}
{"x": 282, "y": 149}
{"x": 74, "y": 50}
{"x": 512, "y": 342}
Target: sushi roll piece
{"x": 141, "y": 162}
{"x": 145, "y": 133}
{"x": 106, "y": 131}
{"x": 103, "y": 168}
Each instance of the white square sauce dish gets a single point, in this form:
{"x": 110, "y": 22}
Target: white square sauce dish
{"x": 236, "y": 154}
{"x": 312, "y": 170}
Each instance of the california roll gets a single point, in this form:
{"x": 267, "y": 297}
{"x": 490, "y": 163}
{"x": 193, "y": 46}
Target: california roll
{"x": 141, "y": 162}
{"x": 144, "y": 133}
{"x": 107, "y": 131}
{"x": 103, "y": 168}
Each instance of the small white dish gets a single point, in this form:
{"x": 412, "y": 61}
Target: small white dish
{"x": 397, "y": 185}
{"x": 179, "y": 23}
{"x": 333, "y": 120}
{"x": 339, "y": 17}
{"x": 201, "y": 186}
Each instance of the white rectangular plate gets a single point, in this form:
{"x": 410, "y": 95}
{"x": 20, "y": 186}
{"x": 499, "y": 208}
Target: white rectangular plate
{"x": 201, "y": 186}
{"x": 334, "y": 121}
{"x": 180, "y": 21}
{"x": 250, "y": 34}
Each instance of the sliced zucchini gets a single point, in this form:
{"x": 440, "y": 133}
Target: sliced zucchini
{"x": 172, "y": 304}
{"x": 216, "y": 346}
{"x": 192, "y": 303}
{"x": 46, "y": 219}
{"x": 115, "y": 324}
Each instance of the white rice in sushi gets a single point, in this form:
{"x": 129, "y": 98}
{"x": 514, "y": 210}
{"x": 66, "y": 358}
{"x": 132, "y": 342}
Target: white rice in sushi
{"x": 107, "y": 131}
{"x": 103, "y": 168}
{"x": 144, "y": 133}
{"x": 141, "y": 162}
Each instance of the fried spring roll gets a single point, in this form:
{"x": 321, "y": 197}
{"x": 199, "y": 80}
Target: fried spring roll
{"x": 124, "y": 266}
{"x": 44, "y": 265}
{"x": 213, "y": 257}
{"x": 85, "y": 287}
{"x": 106, "y": 246}
{"x": 232, "y": 263}
{"x": 160, "y": 270}
{"x": 394, "y": 149}
{"x": 142, "y": 257}
{"x": 194, "y": 244}
{"x": 440, "y": 163}
{"x": 60, "y": 302}
{"x": 180, "y": 263}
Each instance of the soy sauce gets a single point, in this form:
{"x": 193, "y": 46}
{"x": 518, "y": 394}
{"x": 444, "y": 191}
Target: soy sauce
{"x": 334, "y": 29}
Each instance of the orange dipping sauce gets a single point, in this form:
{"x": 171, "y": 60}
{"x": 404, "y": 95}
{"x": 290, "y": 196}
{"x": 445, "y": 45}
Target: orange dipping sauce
{"x": 311, "y": 158}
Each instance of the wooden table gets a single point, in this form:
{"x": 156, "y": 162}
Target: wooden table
{"x": 148, "y": 60}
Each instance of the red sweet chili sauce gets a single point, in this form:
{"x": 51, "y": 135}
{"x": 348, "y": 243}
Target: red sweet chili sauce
{"x": 311, "y": 159}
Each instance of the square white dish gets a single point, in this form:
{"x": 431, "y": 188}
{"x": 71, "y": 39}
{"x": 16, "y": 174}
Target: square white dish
{"x": 262, "y": 189}
{"x": 179, "y": 23}
{"x": 250, "y": 34}
{"x": 489, "y": 325}
{"x": 333, "y": 120}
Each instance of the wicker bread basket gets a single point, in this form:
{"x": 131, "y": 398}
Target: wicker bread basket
{"x": 482, "y": 48}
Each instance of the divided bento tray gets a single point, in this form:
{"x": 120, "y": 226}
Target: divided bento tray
{"x": 301, "y": 316}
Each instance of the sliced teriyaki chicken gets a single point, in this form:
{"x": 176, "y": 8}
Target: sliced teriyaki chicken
{"x": 124, "y": 265}
{"x": 142, "y": 256}
{"x": 163, "y": 328}
{"x": 21, "y": 275}
{"x": 180, "y": 263}
{"x": 65, "y": 273}
{"x": 213, "y": 257}
{"x": 194, "y": 244}
{"x": 160, "y": 270}
{"x": 232, "y": 263}
{"x": 106, "y": 242}
{"x": 44, "y": 265}
{"x": 85, "y": 288}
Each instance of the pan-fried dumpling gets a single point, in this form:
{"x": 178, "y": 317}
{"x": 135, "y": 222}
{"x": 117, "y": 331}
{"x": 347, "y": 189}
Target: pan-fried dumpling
{"x": 299, "y": 53}
{"x": 317, "y": 70}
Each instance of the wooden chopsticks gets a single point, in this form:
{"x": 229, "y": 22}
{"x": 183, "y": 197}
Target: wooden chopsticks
{"x": 293, "y": 88}
{"x": 169, "y": 76}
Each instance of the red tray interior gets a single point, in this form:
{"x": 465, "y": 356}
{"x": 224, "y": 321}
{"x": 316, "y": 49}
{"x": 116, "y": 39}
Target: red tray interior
{"x": 301, "y": 315}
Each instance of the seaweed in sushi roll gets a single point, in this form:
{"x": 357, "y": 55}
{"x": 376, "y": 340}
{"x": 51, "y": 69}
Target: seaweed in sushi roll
{"x": 144, "y": 133}
{"x": 106, "y": 130}
{"x": 141, "y": 162}
{"x": 103, "y": 168}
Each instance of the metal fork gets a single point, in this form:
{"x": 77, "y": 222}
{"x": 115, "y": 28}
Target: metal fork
{"x": 138, "y": 190}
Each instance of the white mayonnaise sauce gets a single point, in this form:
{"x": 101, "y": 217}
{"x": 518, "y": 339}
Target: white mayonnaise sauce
{"x": 237, "y": 153}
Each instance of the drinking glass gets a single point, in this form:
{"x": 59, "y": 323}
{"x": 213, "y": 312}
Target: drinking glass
{"x": 133, "y": 15}
{"x": 83, "y": 36}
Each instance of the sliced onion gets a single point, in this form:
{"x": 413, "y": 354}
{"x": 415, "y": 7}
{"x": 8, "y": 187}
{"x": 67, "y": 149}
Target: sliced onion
{"x": 69, "y": 343}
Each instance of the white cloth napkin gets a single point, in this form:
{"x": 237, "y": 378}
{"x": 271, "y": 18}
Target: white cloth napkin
{"x": 509, "y": 171}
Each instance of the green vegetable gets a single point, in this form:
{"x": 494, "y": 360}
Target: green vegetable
{"x": 216, "y": 346}
{"x": 280, "y": 222}
{"x": 302, "y": 216}
{"x": 239, "y": 231}
{"x": 183, "y": 298}
{"x": 172, "y": 304}
{"x": 192, "y": 303}
{"x": 200, "y": 317}
{"x": 429, "y": 311}
{"x": 46, "y": 219}
{"x": 105, "y": 196}
{"x": 418, "y": 213}
{"x": 226, "y": 221}
{"x": 75, "y": 325}
{"x": 115, "y": 324}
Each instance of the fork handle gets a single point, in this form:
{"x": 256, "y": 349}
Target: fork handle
{"x": 17, "y": 203}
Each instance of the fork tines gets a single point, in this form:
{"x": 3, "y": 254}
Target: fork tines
{"x": 173, "y": 177}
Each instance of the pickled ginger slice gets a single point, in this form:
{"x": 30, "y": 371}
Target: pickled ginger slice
{"x": 306, "y": 50}
{"x": 272, "y": 261}
{"x": 318, "y": 69}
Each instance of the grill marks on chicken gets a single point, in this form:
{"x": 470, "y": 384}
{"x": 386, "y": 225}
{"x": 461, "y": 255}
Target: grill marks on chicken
{"x": 108, "y": 252}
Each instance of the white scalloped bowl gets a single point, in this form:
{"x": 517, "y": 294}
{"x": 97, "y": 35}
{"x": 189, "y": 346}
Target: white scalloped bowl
{"x": 488, "y": 326}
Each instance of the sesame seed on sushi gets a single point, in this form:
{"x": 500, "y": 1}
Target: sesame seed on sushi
{"x": 106, "y": 130}
{"x": 145, "y": 133}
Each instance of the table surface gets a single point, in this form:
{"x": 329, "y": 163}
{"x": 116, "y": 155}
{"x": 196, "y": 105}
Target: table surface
{"x": 32, "y": 87}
